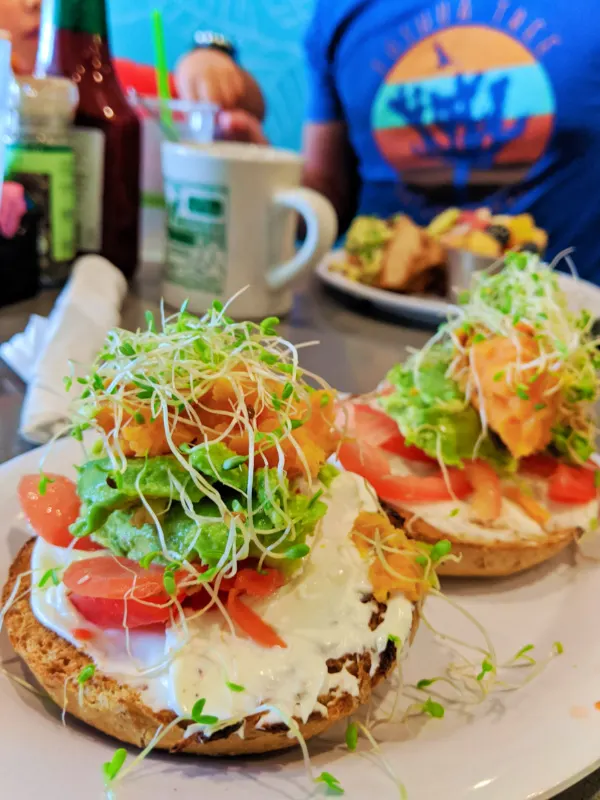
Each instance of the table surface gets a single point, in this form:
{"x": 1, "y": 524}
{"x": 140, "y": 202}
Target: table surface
{"x": 358, "y": 346}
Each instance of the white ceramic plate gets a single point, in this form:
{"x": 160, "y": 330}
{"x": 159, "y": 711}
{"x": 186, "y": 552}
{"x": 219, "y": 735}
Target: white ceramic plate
{"x": 519, "y": 745}
{"x": 430, "y": 309}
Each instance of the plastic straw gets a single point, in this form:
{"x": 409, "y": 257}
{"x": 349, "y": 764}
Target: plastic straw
{"x": 162, "y": 71}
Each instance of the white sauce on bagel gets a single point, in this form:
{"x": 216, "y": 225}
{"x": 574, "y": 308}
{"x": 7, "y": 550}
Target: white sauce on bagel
{"x": 319, "y": 613}
{"x": 455, "y": 517}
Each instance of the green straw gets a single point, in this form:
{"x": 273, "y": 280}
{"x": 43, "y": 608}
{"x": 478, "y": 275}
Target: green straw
{"x": 162, "y": 71}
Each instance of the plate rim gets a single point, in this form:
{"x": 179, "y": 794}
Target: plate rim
{"x": 414, "y": 306}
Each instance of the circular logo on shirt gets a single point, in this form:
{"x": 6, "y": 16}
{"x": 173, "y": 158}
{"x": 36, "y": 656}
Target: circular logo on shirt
{"x": 467, "y": 105}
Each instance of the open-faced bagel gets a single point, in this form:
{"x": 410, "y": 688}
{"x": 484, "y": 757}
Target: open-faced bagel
{"x": 495, "y": 558}
{"x": 118, "y": 710}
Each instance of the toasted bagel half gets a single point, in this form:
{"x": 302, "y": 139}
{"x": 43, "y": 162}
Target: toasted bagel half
{"x": 494, "y": 558}
{"x": 119, "y": 711}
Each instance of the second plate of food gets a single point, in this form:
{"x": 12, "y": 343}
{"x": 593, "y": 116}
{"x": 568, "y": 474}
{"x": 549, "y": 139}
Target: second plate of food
{"x": 432, "y": 309}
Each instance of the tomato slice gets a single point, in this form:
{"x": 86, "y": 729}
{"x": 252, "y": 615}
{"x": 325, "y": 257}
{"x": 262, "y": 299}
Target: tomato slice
{"x": 371, "y": 425}
{"x": 108, "y": 590}
{"x": 112, "y": 613}
{"x": 365, "y": 460}
{"x": 251, "y": 624}
{"x": 397, "y": 445}
{"x": 51, "y": 513}
{"x": 574, "y": 485}
{"x": 378, "y": 429}
{"x": 541, "y": 465}
{"x": 114, "y": 578}
{"x": 487, "y": 500}
{"x": 371, "y": 463}
{"x": 253, "y": 583}
{"x": 426, "y": 489}
{"x": 257, "y": 584}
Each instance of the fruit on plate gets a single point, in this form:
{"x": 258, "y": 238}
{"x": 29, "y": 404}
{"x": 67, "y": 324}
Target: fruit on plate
{"x": 485, "y": 234}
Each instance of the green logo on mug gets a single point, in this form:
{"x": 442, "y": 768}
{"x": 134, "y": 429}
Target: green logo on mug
{"x": 197, "y": 235}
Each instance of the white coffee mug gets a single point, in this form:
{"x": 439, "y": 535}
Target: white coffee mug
{"x": 231, "y": 223}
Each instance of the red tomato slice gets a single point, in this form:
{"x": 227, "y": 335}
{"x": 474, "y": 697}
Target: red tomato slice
{"x": 378, "y": 429}
{"x": 201, "y": 597}
{"x": 111, "y": 613}
{"x": 372, "y": 426}
{"x": 573, "y": 485}
{"x": 259, "y": 585}
{"x": 113, "y": 578}
{"x": 51, "y": 513}
{"x": 398, "y": 447}
{"x": 365, "y": 460}
{"x": 487, "y": 500}
{"x": 251, "y": 624}
{"x": 541, "y": 465}
{"x": 427, "y": 489}
{"x": 370, "y": 463}
{"x": 104, "y": 588}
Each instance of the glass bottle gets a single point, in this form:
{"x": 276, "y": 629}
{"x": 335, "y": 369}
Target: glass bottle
{"x": 74, "y": 43}
{"x": 40, "y": 157}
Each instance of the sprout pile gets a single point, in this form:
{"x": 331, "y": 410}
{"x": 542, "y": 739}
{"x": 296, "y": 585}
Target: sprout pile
{"x": 210, "y": 442}
{"x": 512, "y": 353}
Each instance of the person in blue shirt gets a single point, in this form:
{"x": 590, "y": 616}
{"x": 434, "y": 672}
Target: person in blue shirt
{"x": 419, "y": 105}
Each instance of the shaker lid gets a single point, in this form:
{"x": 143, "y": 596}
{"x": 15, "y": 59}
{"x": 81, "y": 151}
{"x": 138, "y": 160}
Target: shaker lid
{"x": 44, "y": 96}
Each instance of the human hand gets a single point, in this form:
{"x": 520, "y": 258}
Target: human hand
{"x": 210, "y": 76}
{"x": 240, "y": 126}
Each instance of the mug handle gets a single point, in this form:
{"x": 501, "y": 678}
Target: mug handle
{"x": 321, "y": 233}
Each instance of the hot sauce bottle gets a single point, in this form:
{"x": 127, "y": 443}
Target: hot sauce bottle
{"x": 74, "y": 43}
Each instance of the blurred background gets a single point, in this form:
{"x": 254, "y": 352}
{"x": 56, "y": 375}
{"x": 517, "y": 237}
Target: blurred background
{"x": 268, "y": 33}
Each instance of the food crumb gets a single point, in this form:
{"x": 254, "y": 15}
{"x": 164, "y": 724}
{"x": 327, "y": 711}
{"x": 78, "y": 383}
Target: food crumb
{"x": 83, "y": 634}
{"x": 579, "y": 712}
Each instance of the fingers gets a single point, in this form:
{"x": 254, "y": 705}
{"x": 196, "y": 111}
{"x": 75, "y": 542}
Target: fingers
{"x": 223, "y": 87}
{"x": 227, "y": 95}
{"x": 210, "y": 77}
{"x": 208, "y": 89}
{"x": 186, "y": 87}
{"x": 240, "y": 126}
{"x": 235, "y": 87}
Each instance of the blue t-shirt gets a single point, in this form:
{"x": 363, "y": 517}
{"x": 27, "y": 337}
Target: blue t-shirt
{"x": 468, "y": 102}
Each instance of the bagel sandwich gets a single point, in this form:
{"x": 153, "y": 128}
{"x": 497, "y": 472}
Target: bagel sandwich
{"x": 209, "y": 583}
{"x": 486, "y": 436}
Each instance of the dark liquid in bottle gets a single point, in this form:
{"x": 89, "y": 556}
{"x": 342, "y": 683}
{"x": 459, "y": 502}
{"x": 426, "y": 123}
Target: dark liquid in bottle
{"x": 114, "y": 155}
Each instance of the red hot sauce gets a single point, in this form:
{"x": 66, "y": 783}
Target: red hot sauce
{"x": 74, "y": 43}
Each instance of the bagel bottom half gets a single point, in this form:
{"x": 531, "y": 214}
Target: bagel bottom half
{"x": 118, "y": 710}
{"x": 496, "y": 558}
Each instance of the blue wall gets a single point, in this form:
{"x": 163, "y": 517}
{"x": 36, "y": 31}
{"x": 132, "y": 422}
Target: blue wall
{"x": 269, "y": 35}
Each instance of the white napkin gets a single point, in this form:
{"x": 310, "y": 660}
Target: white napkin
{"x": 87, "y": 308}
{"x": 21, "y": 352}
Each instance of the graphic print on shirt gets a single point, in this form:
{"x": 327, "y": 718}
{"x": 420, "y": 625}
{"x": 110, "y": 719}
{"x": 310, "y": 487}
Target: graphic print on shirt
{"x": 467, "y": 105}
